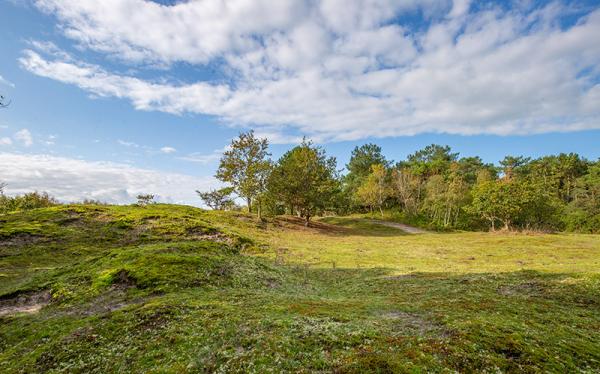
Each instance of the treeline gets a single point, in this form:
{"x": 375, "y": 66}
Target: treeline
{"x": 28, "y": 201}
{"x": 433, "y": 187}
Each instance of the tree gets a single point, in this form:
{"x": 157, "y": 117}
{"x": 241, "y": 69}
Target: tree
{"x": 217, "y": 199}
{"x": 583, "y": 212}
{"x": 446, "y": 196}
{"x": 406, "y": 187}
{"x": 2, "y": 187}
{"x": 245, "y": 167}
{"x": 559, "y": 173}
{"x": 514, "y": 166}
{"x": 492, "y": 201}
{"x": 144, "y": 199}
{"x": 363, "y": 158}
{"x": 359, "y": 166}
{"x": 471, "y": 167}
{"x": 375, "y": 189}
{"x": 304, "y": 179}
{"x": 514, "y": 203}
{"x": 434, "y": 159}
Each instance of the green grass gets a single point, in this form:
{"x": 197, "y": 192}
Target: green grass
{"x": 176, "y": 289}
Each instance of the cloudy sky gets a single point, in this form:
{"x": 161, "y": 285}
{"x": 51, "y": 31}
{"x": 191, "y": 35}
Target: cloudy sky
{"x": 115, "y": 97}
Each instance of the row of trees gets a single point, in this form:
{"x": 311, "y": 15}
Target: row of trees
{"x": 304, "y": 181}
{"x": 433, "y": 187}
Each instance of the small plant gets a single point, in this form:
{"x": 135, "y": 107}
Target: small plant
{"x": 145, "y": 199}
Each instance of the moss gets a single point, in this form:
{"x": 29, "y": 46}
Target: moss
{"x": 167, "y": 288}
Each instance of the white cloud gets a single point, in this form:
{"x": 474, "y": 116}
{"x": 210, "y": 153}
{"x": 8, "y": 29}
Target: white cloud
{"x": 342, "y": 70}
{"x": 51, "y": 140}
{"x": 202, "y": 158}
{"x": 24, "y": 136}
{"x": 74, "y": 180}
{"x": 128, "y": 144}
{"x": 5, "y": 141}
{"x": 6, "y": 82}
{"x": 168, "y": 150}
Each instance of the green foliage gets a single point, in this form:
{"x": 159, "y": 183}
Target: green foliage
{"x": 245, "y": 166}
{"x": 515, "y": 203}
{"x": 558, "y": 174}
{"x": 375, "y": 189}
{"x": 583, "y": 212}
{"x": 359, "y": 166}
{"x": 434, "y": 188}
{"x": 363, "y": 158}
{"x": 28, "y": 201}
{"x": 304, "y": 180}
{"x": 431, "y": 160}
{"x": 218, "y": 199}
{"x": 445, "y": 198}
{"x": 514, "y": 166}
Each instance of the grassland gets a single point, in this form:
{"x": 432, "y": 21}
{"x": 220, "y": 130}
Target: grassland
{"x": 176, "y": 289}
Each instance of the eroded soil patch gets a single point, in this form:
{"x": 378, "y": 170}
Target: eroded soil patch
{"x": 30, "y": 302}
{"x": 20, "y": 240}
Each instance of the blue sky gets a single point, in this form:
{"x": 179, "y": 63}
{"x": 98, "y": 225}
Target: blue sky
{"x": 125, "y": 96}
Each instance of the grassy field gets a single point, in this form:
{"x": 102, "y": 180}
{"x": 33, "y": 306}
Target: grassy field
{"x": 176, "y": 289}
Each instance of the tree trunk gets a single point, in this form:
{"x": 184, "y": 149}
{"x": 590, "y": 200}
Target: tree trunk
{"x": 249, "y": 202}
{"x": 259, "y": 210}
{"x": 381, "y": 211}
{"x": 307, "y": 220}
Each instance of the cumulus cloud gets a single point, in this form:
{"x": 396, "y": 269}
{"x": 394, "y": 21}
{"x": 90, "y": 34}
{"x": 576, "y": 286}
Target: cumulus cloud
{"x": 24, "y": 136}
{"x": 343, "y": 70}
{"x": 168, "y": 150}
{"x": 5, "y": 141}
{"x": 74, "y": 180}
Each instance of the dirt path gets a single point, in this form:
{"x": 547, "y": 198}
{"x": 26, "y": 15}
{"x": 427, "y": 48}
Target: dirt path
{"x": 406, "y": 228}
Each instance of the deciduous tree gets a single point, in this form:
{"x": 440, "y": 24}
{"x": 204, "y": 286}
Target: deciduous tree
{"x": 375, "y": 189}
{"x": 245, "y": 166}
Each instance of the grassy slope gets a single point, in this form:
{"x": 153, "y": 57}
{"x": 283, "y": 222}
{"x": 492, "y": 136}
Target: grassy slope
{"x": 171, "y": 288}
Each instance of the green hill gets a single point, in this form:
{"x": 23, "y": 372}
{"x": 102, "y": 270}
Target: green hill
{"x": 168, "y": 288}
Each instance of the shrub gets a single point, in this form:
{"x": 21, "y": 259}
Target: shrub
{"x": 28, "y": 201}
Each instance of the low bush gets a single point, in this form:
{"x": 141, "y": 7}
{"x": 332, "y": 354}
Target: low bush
{"x": 28, "y": 201}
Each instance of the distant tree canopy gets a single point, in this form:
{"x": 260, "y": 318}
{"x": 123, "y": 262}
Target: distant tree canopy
{"x": 246, "y": 168}
{"x": 28, "y": 201}
{"x": 432, "y": 187}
